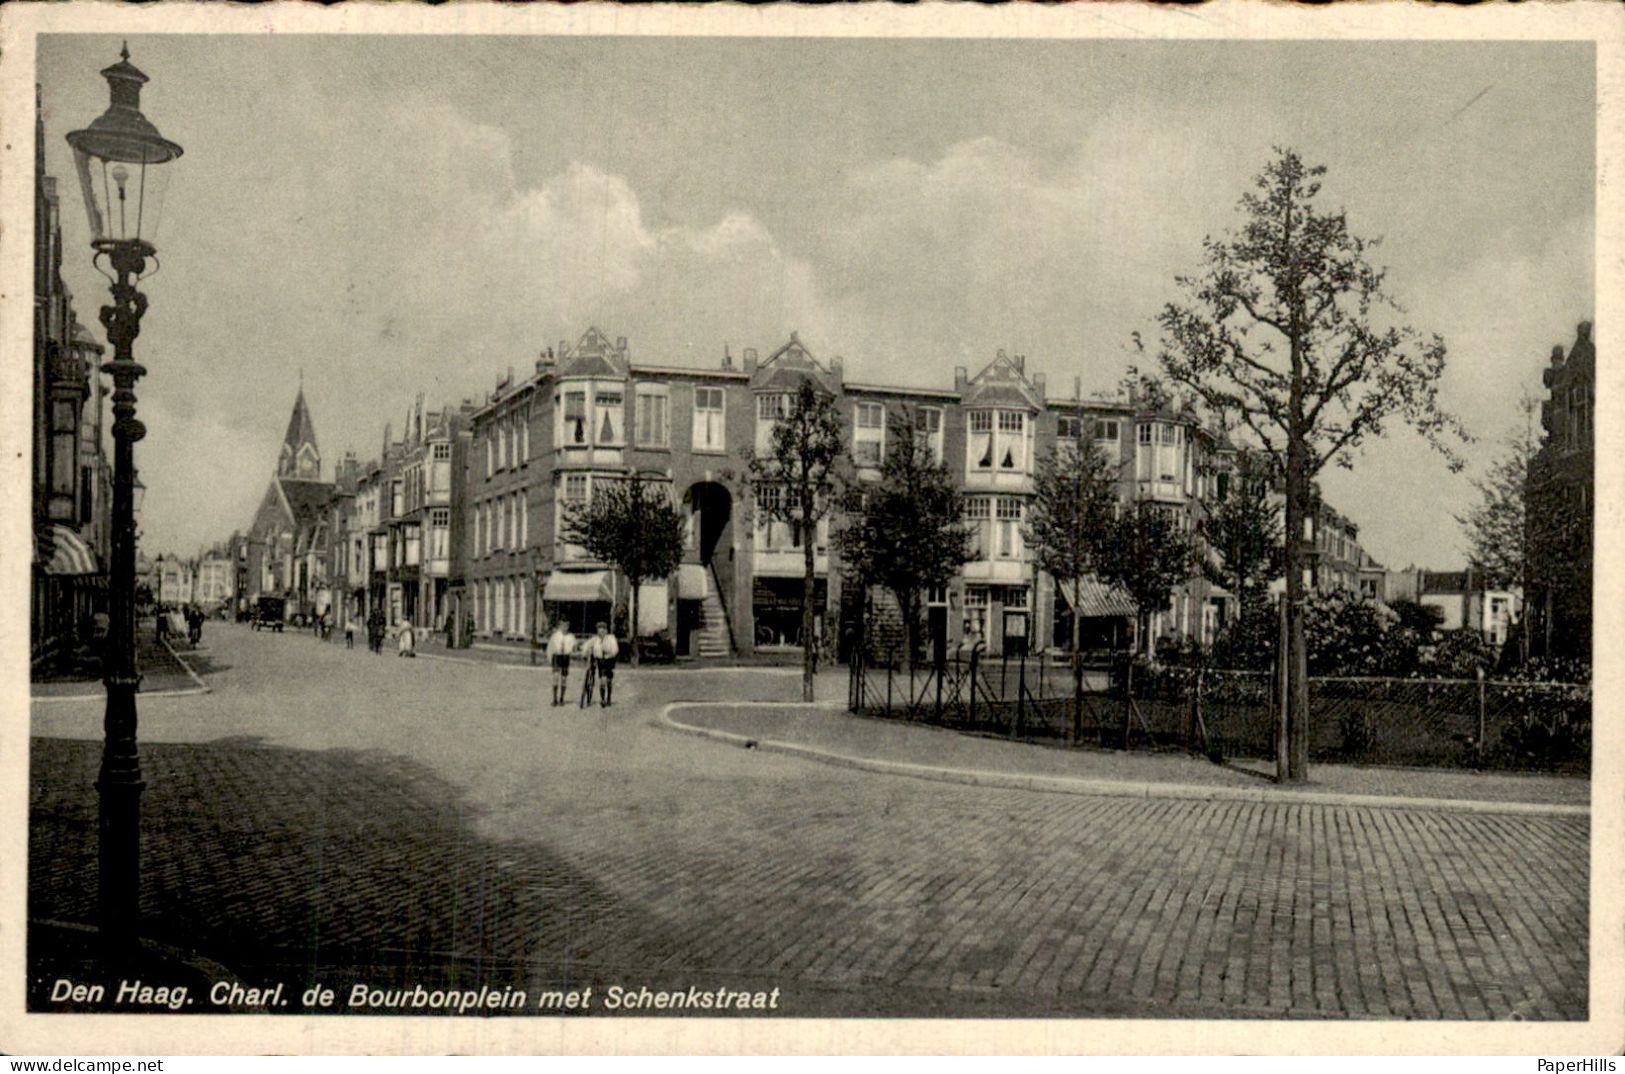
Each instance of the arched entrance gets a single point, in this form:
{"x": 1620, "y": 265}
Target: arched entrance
{"x": 710, "y": 506}
{"x": 706, "y": 584}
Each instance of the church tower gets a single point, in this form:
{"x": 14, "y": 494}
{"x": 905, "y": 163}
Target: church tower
{"x": 300, "y": 459}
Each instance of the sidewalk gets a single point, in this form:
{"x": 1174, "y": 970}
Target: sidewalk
{"x": 161, "y": 671}
{"x": 919, "y": 749}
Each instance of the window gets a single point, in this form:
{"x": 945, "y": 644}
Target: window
{"x": 1145, "y": 434}
{"x": 868, "y": 434}
{"x": 928, "y": 421}
{"x": 1003, "y": 450}
{"x": 573, "y": 422}
{"x": 653, "y": 407}
{"x": 1015, "y": 598}
{"x": 1007, "y": 530}
{"x": 770, "y": 532}
{"x": 772, "y": 407}
{"x": 609, "y": 416}
{"x": 708, "y": 419}
{"x": 575, "y": 488}
{"x": 1068, "y": 427}
{"x": 439, "y": 532}
{"x": 979, "y": 512}
{"x": 1107, "y": 430}
{"x": 936, "y": 595}
{"x": 524, "y": 435}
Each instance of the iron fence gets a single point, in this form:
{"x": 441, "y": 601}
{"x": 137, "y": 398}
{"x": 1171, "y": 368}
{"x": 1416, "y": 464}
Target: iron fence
{"x": 1459, "y": 723}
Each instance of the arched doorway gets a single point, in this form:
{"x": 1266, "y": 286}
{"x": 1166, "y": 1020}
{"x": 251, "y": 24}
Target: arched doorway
{"x": 711, "y": 507}
{"x": 706, "y": 596}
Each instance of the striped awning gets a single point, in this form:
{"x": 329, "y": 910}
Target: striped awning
{"x": 1096, "y": 600}
{"x": 70, "y": 555}
{"x": 570, "y": 587}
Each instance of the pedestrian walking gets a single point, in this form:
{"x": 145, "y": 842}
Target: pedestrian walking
{"x": 560, "y": 644}
{"x": 349, "y": 632}
{"x": 602, "y": 651}
{"x": 405, "y": 643}
{"x": 162, "y": 628}
{"x": 375, "y": 631}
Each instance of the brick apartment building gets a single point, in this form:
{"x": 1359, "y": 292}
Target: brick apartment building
{"x": 589, "y": 413}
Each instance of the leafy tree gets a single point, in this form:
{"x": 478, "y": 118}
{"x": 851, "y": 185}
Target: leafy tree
{"x": 1424, "y": 619}
{"x": 1069, "y": 524}
{"x": 1497, "y": 528}
{"x": 806, "y": 461}
{"x": 632, "y": 524}
{"x": 1148, "y": 556}
{"x": 910, "y": 535}
{"x": 1244, "y": 529}
{"x": 1287, "y": 335}
{"x": 1345, "y": 634}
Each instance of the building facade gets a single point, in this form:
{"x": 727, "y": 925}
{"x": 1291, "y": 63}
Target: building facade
{"x": 1560, "y": 504}
{"x": 287, "y": 540}
{"x": 72, "y": 472}
{"x": 589, "y": 413}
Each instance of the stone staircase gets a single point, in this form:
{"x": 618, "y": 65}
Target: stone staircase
{"x": 712, "y": 639}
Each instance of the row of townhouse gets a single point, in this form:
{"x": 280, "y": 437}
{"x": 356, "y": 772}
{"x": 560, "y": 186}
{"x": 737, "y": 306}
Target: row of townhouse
{"x": 72, "y": 487}
{"x": 588, "y": 414}
{"x": 458, "y": 523}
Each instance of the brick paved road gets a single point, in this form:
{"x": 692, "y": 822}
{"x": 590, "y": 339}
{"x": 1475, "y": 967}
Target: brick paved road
{"x": 340, "y": 816}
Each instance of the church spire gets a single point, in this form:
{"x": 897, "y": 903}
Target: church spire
{"x": 300, "y": 459}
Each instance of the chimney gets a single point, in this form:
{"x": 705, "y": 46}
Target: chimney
{"x": 727, "y": 359}
{"x": 750, "y": 360}
{"x": 837, "y": 367}
{"x": 1020, "y": 361}
{"x": 960, "y": 378}
{"x": 620, "y": 345}
{"x": 1038, "y": 385}
{"x": 1583, "y": 330}
{"x": 1077, "y": 387}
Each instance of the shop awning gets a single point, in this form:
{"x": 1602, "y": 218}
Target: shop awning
{"x": 1096, "y": 600}
{"x": 70, "y": 555}
{"x": 573, "y": 587}
{"x": 691, "y": 583}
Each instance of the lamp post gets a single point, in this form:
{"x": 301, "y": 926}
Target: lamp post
{"x": 113, "y": 157}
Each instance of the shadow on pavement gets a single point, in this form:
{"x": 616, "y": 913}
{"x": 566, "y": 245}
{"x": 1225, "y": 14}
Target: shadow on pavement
{"x": 334, "y": 866}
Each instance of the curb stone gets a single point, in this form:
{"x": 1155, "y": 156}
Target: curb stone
{"x": 1077, "y": 785}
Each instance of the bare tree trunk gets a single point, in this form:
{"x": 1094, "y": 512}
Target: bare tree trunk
{"x": 1297, "y": 683}
{"x": 632, "y": 627}
{"x": 809, "y": 656}
{"x": 1075, "y": 732}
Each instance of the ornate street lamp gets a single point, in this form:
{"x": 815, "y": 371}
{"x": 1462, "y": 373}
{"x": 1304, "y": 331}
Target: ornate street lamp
{"x": 117, "y": 158}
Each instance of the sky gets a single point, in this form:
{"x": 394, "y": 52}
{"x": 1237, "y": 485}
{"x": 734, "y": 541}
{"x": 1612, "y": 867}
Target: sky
{"x": 386, "y": 216}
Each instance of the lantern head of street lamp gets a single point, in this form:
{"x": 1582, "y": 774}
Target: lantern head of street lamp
{"x": 117, "y": 158}
{"x": 138, "y": 493}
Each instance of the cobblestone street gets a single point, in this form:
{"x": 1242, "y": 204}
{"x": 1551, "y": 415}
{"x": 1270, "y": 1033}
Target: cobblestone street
{"x": 333, "y": 815}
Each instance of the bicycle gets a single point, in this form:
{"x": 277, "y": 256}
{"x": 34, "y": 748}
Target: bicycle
{"x": 588, "y": 681}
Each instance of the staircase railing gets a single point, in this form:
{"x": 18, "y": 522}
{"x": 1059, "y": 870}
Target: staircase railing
{"x": 727, "y": 617}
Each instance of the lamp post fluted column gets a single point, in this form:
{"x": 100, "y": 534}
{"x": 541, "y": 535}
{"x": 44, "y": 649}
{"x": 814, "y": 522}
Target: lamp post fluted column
{"x": 119, "y": 783}
{"x": 118, "y": 157}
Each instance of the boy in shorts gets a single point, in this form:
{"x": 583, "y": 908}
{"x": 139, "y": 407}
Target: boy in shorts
{"x": 560, "y": 644}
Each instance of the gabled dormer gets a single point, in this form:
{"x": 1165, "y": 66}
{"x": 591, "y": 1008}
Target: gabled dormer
{"x": 1001, "y": 407}
{"x": 775, "y": 383}
{"x": 590, "y": 399}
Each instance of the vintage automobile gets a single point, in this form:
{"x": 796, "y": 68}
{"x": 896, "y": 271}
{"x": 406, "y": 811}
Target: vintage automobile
{"x": 270, "y": 613}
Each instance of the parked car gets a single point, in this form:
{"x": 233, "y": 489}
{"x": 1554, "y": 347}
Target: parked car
{"x": 270, "y": 613}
